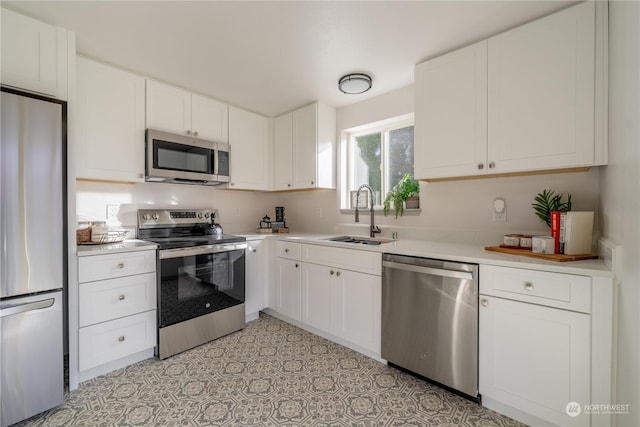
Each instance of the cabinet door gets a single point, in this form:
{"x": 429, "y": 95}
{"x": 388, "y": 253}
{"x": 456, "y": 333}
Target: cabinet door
{"x": 283, "y": 152}
{"x": 249, "y": 139}
{"x": 358, "y": 308}
{"x": 318, "y": 296}
{"x": 305, "y": 132}
{"x": 209, "y": 119}
{"x": 29, "y": 54}
{"x": 534, "y": 358}
{"x": 255, "y": 276}
{"x": 451, "y": 114}
{"x": 541, "y": 93}
{"x": 110, "y": 123}
{"x": 288, "y": 297}
{"x": 168, "y": 108}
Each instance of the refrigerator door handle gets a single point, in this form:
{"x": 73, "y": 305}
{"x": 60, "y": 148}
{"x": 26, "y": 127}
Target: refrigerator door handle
{"x": 23, "y": 308}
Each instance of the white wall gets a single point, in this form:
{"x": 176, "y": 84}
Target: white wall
{"x": 238, "y": 211}
{"x": 460, "y": 210}
{"x": 620, "y": 195}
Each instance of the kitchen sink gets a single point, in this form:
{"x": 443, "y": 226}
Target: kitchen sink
{"x": 358, "y": 240}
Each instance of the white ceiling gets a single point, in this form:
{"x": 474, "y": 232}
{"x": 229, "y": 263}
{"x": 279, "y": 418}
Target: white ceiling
{"x": 271, "y": 57}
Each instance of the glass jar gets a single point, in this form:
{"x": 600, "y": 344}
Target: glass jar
{"x": 99, "y": 230}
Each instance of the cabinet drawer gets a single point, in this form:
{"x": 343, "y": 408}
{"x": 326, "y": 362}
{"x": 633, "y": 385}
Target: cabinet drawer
{"x": 108, "y": 341}
{"x": 288, "y": 250}
{"x": 349, "y": 259}
{"x": 100, "y": 267}
{"x": 560, "y": 290}
{"x": 114, "y": 298}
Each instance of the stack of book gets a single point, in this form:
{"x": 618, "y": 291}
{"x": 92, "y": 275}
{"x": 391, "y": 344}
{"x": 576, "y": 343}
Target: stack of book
{"x": 572, "y": 232}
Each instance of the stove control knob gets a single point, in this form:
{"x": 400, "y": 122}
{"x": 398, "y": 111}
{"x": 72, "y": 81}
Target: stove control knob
{"x": 146, "y": 217}
{"x": 200, "y": 215}
{"x": 206, "y": 215}
{"x": 155, "y": 216}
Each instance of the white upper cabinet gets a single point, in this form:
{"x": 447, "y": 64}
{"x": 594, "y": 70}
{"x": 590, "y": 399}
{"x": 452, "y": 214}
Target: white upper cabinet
{"x": 283, "y": 149}
{"x": 541, "y": 93}
{"x": 35, "y": 55}
{"x": 171, "y": 109}
{"x": 110, "y": 117}
{"x": 304, "y": 148}
{"x": 249, "y": 139}
{"x": 529, "y": 93}
{"x": 451, "y": 114}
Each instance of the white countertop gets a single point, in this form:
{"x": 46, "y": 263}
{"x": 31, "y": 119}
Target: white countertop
{"x": 462, "y": 253}
{"x": 112, "y": 248}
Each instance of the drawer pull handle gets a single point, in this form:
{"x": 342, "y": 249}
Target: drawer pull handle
{"x": 286, "y": 250}
{"x": 338, "y": 274}
{"x": 121, "y": 265}
{"x": 296, "y": 265}
{"x": 484, "y": 303}
{"x": 121, "y": 297}
{"x": 528, "y": 286}
{"x": 121, "y": 338}
{"x": 332, "y": 272}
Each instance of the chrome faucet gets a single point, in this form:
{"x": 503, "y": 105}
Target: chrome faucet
{"x": 373, "y": 229}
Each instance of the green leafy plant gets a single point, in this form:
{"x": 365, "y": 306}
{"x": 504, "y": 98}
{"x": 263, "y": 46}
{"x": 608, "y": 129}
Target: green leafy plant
{"x": 547, "y": 202}
{"x": 404, "y": 189}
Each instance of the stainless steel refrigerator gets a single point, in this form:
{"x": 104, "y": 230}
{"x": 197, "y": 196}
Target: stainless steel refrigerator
{"x": 32, "y": 255}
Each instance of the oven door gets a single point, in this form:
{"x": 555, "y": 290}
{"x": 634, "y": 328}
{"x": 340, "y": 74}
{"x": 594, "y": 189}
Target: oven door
{"x": 192, "y": 283}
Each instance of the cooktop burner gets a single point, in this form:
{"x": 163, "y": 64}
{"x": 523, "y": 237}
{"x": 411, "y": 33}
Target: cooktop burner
{"x": 173, "y": 228}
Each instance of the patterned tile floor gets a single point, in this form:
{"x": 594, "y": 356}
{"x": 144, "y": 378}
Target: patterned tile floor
{"x": 269, "y": 374}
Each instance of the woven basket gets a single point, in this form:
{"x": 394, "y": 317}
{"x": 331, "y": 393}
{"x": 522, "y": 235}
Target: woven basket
{"x": 83, "y": 235}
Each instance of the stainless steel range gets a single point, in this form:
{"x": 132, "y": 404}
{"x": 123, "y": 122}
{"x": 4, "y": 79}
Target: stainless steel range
{"x": 201, "y": 283}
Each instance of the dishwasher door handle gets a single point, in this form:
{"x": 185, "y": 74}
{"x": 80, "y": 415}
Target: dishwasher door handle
{"x": 428, "y": 270}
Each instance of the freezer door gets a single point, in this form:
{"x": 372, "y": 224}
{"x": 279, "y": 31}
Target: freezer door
{"x": 31, "y": 364}
{"x": 31, "y": 196}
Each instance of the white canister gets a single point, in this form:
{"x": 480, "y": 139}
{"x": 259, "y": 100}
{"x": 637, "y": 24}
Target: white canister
{"x": 526, "y": 241}
{"x": 512, "y": 239}
{"x": 543, "y": 244}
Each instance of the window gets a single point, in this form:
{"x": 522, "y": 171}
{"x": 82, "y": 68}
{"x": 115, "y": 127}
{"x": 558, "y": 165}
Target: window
{"x": 379, "y": 155}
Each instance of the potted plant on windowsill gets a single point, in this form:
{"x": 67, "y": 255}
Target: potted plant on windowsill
{"x": 407, "y": 189}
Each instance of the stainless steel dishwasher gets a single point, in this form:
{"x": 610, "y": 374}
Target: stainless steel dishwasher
{"x": 430, "y": 320}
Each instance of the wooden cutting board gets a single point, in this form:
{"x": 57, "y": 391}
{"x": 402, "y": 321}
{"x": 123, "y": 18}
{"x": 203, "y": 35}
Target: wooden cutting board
{"x": 527, "y": 252}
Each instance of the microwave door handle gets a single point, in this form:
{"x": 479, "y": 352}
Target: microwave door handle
{"x": 216, "y": 159}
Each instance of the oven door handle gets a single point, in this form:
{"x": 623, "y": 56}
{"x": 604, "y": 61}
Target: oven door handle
{"x": 200, "y": 250}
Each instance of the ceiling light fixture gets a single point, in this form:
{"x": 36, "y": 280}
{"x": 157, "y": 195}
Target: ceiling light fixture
{"x": 354, "y": 84}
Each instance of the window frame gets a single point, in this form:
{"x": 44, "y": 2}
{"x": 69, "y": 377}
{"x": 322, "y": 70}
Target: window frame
{"x": 348, "y": 140}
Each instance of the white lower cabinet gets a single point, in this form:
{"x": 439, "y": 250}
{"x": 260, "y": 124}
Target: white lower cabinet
{"x": 538, "y": 360}
{"x": 535, "y": 358}
{"x": 343, "y": 303}
{"x": 256, "y": 274}
{"x": 359, "y": 309}
{"x": 319, "y": 295}
{"x": 332, "y": 291}
{"x": 288, "y": 301}
{"x": 117, "y": 310}
{"x": 109, "y": 341}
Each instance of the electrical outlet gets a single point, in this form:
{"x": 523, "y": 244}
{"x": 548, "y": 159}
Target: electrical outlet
{"x": 499, "y": 211}
{"x": 112, "y": 212}
{"x": 500, "y": 216}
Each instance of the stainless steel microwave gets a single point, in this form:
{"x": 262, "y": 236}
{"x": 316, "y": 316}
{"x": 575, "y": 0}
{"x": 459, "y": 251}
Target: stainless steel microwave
{"x": 185, "y": 159}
